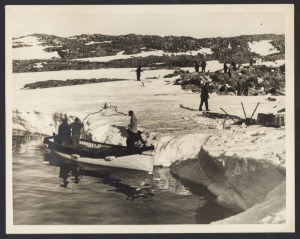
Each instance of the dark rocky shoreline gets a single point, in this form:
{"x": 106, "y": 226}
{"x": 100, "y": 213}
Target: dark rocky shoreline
{"x": 60, "y": 83}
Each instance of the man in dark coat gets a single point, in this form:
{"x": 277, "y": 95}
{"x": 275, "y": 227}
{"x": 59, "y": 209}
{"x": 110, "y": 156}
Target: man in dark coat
{"x": 233, "y": 65}
{"x": 64, "y": 132}
{"x": 138, "y": 72}
{"x": 203, "y": 65}
{"x": 196, "y": 66}
{"x": 204, "y": 97}
{"x": 76, "y": 127}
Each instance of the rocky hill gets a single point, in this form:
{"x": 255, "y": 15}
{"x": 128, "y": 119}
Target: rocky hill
{"x": 236, "y": 49}
{"x": 252, "y": 80}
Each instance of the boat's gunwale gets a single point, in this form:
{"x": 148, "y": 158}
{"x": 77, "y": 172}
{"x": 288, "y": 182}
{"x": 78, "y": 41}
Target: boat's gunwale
{"x": 112, "y": 150}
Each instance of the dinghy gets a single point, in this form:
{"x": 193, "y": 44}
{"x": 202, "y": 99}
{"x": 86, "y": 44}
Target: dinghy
{"x": 110, "y": 155}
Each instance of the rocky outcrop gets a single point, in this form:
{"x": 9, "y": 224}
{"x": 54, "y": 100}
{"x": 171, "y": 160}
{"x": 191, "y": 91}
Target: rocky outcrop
{"x": 60, "y": 83}
{"x": 254, "y": 80}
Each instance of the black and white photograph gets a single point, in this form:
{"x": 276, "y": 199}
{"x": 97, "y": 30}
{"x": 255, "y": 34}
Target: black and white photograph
{"x": 149, "y": 118}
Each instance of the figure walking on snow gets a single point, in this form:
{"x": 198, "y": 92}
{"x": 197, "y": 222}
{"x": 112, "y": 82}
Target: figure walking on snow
{"x": 138, "y": 73}
{"x": 204, "y": 97}
{"x": 203, "y": 65}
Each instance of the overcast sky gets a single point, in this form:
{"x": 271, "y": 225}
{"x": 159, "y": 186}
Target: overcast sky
{"x": 198, "y": 21}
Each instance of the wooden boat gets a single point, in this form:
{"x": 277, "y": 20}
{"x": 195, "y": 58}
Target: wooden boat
{"x": 92, "y": 152}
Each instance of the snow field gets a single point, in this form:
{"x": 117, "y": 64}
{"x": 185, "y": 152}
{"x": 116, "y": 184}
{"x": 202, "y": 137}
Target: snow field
{"x": 170, "y": 120}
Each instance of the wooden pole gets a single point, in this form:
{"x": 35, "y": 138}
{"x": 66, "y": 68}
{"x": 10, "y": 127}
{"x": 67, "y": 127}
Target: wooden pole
{"x": 254, "y": 110}
{"x": 229, "y": 116}
{"x": 244, "y": 110}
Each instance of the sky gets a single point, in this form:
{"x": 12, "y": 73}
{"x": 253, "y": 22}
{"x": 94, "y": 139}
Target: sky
{"x": 199, "y": 21}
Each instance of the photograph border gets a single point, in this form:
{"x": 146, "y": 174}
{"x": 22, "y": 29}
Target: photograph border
{"x": 166, "y": 232}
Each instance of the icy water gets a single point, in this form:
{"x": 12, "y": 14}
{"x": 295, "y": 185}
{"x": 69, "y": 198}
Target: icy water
{"x": 50, "y": 191}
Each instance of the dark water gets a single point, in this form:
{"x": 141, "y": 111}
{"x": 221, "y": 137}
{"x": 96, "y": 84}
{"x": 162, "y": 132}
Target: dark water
{"x": 50, "y": 191}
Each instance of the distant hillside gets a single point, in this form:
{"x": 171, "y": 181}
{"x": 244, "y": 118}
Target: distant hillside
{"x": 236, "y": 49}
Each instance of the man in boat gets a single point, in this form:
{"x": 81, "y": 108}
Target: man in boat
{"x": 76, "y": 127}
{"x": 64, "y": 132}
{"x": 134, "y": 135}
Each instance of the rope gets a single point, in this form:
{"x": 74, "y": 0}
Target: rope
{"x": 104, "y": 108}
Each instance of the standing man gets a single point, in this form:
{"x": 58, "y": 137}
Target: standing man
{"x": 196, "y": 66}
{"x": 138, "y": 73}
{"x": 203, "y": 65}
{"x": 233, "y": 65}
{"x": 225, "y": 67}
{"x": 132, "y": 130}
{"x": 64, "y": 132}
{"x": 132, "y": 127}
{"x": 204, "y": 97}
{"x": 76, "y": 127}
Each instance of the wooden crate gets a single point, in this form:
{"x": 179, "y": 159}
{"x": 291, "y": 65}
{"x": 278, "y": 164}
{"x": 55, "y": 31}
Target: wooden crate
{"x": 271, "y": 120}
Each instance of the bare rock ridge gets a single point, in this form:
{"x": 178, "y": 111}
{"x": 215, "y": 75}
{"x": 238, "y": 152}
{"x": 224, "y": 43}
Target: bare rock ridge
{"x": 97, "y": 45}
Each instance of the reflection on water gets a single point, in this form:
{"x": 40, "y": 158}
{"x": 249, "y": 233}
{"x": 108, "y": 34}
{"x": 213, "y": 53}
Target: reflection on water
{"x": 23, "y": 140}
{"x": 49, "y": 190}
{"x": 164, "y": 180}
{"x": 73, "y": 170}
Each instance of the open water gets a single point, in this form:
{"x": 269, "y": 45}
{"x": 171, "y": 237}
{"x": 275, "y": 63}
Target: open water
{"x": 50, "y": 191}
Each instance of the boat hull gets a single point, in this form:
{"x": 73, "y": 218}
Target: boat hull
{"x": 109, "y": 155}
{"x": 137, "y": 161}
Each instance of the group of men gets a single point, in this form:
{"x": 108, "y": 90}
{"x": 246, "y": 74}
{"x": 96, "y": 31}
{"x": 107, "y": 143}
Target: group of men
{"x": 227, "y": 69}
{"x": 203, "y": 66}
{"x": 69, "y": 134}
{"x": 204, "y": 90}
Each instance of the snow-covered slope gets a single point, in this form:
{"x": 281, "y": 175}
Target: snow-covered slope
{"x": 32, "y": 50}
{"x": 263, "y": 47}
{"x": 120, "y": 55}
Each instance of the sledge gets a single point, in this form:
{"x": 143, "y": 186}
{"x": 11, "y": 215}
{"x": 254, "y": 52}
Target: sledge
{"x": 216, "y": 115}
{"x": 110, "y": 155}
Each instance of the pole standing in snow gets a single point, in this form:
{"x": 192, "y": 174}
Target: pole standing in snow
{"x": 138, "y": 72}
